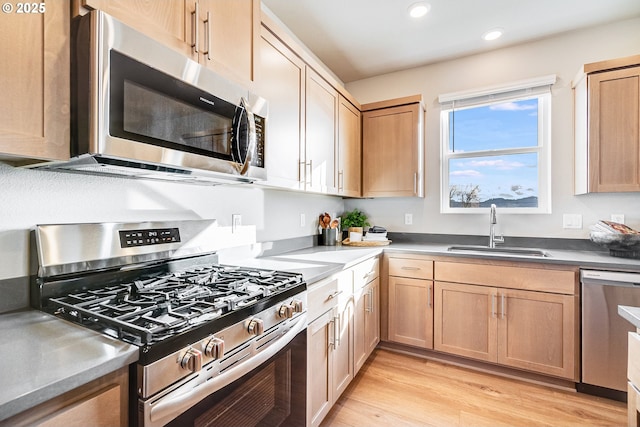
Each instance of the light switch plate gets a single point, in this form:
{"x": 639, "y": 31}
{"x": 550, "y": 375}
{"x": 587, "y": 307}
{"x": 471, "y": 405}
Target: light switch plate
{"x": 619, "y": 218}
{"x": 571, "y": 221}
{"x": 408, "y": 219}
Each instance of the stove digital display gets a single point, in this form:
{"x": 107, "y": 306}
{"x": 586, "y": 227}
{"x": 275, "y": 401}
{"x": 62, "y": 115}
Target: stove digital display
{"x": 132, "y": 238}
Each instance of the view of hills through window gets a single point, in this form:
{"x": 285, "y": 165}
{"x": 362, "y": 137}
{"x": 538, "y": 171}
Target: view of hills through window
{"x": 493, "y": 155}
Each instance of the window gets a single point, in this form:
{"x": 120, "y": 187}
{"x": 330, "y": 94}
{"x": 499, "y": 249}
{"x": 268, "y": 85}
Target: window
{"x": 495, "y": 146}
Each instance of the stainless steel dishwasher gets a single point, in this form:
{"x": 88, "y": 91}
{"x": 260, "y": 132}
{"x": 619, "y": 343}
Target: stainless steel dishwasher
{"x": 604, "y": 332}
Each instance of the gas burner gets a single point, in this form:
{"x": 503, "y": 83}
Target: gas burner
{"x": 155, "y": 306}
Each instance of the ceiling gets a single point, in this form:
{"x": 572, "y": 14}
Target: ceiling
{"x": 357, "y": 39}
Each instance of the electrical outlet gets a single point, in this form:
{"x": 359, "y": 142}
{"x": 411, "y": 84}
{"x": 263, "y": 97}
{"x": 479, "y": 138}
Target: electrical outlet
{"x": 619, "y": 218}
{"x": 303, "y": 220}
{"x": 236, "y": 221}
{"x": 408, "y": 219}
{"x": 571, "y": 221}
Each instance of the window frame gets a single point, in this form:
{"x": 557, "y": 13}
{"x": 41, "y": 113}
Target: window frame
{"x": 531, "y": 89}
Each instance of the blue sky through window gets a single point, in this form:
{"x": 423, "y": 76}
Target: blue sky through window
{"x": 509, "y": 125}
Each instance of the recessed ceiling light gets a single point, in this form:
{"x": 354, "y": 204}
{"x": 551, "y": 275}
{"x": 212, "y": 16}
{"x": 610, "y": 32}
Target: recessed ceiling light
{"x": 419, "y": 9}
{"x": 492, "y": 34}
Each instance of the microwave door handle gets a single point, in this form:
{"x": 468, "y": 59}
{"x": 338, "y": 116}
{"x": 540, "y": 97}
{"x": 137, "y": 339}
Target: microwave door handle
{"x": 252, "y": 138}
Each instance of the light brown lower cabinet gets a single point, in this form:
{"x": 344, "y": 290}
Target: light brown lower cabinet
{"x": 367, "y": 322}
{"x": 535, "y": 331}
{"x": 329, "y": 345}
{"x": 343, "y": 331}
{"x": 101, "y": 403}
{"x": 412, "y": 304}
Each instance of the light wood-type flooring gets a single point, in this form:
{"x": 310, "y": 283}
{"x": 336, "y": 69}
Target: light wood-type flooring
{"x": 394, "y": 389}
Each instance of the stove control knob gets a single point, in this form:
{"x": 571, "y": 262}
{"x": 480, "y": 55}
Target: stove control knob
{"x": 191, "y": 360}
{"x": 286, "y": 311}
{"x": 214, "y": 348}
{"x": 256, "y": 327}
{"x": 297, "y": 306}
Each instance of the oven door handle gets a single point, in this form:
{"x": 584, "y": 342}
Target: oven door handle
{"x": 170, "y": 406}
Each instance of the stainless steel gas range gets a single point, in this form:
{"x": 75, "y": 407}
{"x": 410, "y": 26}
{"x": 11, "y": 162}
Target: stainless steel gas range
{"x": 219, "y": 345}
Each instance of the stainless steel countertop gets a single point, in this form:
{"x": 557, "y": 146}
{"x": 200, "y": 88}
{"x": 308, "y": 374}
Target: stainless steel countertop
{"x": 44, "y": 357}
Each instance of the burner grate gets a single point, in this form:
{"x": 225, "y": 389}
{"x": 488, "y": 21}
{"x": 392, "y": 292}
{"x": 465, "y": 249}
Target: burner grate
{"x": 153, "y": 307}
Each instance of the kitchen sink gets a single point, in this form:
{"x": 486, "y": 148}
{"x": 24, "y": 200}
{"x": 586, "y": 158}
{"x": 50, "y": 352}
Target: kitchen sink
{"x": 500, "y": 250}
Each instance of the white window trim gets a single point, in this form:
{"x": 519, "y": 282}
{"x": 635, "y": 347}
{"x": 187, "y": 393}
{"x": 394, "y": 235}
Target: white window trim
{"x": 538, "y": 87}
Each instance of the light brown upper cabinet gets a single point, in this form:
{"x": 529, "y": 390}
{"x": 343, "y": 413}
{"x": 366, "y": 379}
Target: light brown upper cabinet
{"x": 393, "y": 148}
{"x": 220, "y": 34}
{"x": 320, "y": 135}
{"x": 34, "y": 112}
{"x": 281, "y": 80}
{"x": 349, "y": 149}
{"x": 607, "y": 126}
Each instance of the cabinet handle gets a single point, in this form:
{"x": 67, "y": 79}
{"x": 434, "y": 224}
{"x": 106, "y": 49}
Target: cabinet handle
{"x": 332, "y": 338}
{"x": 195, "y": 16}
{"x": 340, "y": 180}
{"x": 333, "y": 295}
{"x": 369, "y": 307}
{"x": 310, "y": 163}
{"x": 369, "y": 274}
{"x": 494, "y": 299}
{"x": 410, "y": 268}
{"x": 504, "y": 306}
{"x": 429, "y": 295}
{"x": 207, "y": 32}
{"x": 415, "y": 183}
{"x": 336, "y": 331}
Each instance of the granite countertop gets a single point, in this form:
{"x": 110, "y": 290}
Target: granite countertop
{"x": 44, "y": 357}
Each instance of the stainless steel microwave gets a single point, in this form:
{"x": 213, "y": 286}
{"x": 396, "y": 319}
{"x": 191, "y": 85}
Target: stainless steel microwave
{"x": 143, "y": 109}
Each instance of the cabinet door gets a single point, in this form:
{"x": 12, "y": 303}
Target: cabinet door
{"x": 359, "y": 351}
{"x": 391, "y": 152}
{"x": 537, "y": 332}
{"x": 465, "y": 320}
{"x": 343, "y": 354}
{"x": 349, "y": 149}
{"x": 320, "y": 342}
{"x": 614, "y": 130}
{"x": 167, "y": 20}
{"x": 281, "y": 80}
{"x": 228, "y": 34}
{"x": 372, "y": 316}
{"x": 342, "y": 372}
{"x": 411, "y": 311}
{"x": 34, "y": 112}
{"x": 320, "y": 130}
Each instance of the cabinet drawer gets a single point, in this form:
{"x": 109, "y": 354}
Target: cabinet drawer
{"x": 633, "y": 369}
{"x": 506, "y": 276}
{"x": 410, "y": 267}
{"x": 322, "y": 296}
{"x": 366, "y": 271}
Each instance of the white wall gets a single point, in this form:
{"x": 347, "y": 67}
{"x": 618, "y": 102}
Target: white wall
{"x": 563, "y": 56}
{"x": 29, "y": 197}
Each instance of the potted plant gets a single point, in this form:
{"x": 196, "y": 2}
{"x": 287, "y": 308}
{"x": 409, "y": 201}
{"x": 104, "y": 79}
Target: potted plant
{"x": 354, "y": 222}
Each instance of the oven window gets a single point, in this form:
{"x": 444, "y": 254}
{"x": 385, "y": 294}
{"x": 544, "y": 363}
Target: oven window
{"x": 153, "y": 114}
{"x": 273, "y": 394}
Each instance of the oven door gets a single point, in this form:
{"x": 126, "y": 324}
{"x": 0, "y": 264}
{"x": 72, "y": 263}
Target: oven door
{"x": 268, "y": 389}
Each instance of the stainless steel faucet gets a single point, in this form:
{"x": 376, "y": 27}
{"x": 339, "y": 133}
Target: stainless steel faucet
{"x": 493, "y": 239}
